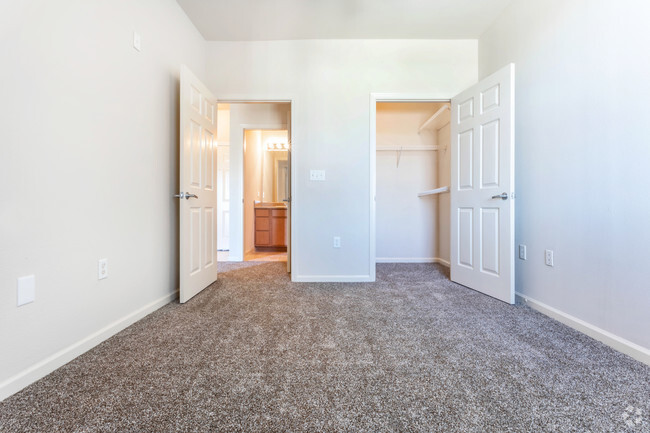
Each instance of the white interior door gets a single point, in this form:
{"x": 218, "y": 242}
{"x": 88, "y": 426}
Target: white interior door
{"x": 223, "y": 198}
{"x": 482, "y": 186}
{"x": 198, "y": 197}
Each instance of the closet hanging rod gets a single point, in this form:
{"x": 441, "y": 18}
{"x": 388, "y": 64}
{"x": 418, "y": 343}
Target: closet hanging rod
{"x": 434, "y": 117}
{"x": 434, "y": 191}
{"x": 383, "y": 148}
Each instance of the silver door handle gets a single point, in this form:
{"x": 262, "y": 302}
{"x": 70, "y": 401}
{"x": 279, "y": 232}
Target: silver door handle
{"x": 502, "y": 196}
{"x": 186, "y": 195}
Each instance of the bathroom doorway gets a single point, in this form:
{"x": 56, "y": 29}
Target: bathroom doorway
{"x": 257, "y": 138}
{"x": 265, "y": 194}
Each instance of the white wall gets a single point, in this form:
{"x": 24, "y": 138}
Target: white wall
{"x": 407, "y": 225}
{"x": 246, "y": 116}
{"x": 330, "y": 82}
{"x": 223, "y": 124}
{"x": 582, "y": 155}
{"x": 89, "y": 145}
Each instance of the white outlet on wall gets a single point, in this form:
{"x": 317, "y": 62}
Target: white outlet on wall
{"x": 522, "y": 252}
{"x": 336, "y": 243}
{"x": 548, "y": 257}
{"x": 102, "y": 269}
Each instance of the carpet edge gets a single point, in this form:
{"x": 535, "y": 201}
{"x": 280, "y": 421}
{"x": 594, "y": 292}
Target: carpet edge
{"x": 620, "y": 344}
{"x": 44, "y": 367}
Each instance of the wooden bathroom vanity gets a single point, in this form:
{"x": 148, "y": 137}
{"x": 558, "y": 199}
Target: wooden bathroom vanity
{"x": 271, "y": 226}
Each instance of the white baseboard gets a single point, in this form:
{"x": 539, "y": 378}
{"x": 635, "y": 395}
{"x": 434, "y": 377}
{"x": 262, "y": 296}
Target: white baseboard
{"x": 331, "y": 278}
{"x": 63, "y": 356}
{"x": 233, "y": 259}
{"x": 634, "y": 350}
{"x": 405, "y": 259}
{"x": 443, "y": 262}
{"x": 362, "y": 278}
{"x": 412, "y": 260}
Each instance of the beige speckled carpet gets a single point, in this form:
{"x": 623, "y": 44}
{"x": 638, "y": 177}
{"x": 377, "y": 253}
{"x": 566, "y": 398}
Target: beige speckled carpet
{"x": 412, "y": 352}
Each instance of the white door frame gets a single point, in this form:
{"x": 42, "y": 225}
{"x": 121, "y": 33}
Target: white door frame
{"x": 221, "y": 148}
{"x": 238, "y": 99}
{"x": 386, "y": 97}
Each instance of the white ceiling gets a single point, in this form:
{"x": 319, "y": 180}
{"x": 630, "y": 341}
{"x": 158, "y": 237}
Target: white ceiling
{"x": 246, "y": 20}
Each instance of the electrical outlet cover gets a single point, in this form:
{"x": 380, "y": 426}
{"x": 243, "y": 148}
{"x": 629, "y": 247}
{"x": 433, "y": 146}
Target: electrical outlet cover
{"x": 548, "y": 257}
{"x": 102, "y": 269}
{"x": 25, "y": 290}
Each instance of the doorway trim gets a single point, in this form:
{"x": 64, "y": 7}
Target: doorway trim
{"x": 374, "y": 99}
{"x": 282, "y": 99}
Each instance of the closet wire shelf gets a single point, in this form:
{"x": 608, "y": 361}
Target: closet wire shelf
{"x": 434, "y": 191}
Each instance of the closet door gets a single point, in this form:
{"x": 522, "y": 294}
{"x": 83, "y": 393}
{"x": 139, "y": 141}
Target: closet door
{"x": 482, "y": 186}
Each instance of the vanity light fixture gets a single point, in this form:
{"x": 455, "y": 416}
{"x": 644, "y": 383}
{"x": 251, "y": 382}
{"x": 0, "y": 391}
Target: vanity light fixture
{"x": 276, "y": 147}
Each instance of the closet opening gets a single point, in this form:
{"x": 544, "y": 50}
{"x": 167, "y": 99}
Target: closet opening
{"x": 412, "y": 179}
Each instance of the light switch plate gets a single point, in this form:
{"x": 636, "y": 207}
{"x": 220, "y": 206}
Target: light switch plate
{"x": 25, "y": 290}
{"x": 318, "y": 175}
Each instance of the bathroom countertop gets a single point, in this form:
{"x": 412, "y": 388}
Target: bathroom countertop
{"x": 270, "y": 206}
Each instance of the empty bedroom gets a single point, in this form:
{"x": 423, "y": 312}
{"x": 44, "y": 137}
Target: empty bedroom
{"x": 338, "y": 216}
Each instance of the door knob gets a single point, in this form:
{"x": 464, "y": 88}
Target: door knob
{"x": 186, "y": 195}
{"x": 502, "y": 196}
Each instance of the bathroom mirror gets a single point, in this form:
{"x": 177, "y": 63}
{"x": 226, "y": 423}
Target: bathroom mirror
{"x": 275, "y": 168}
